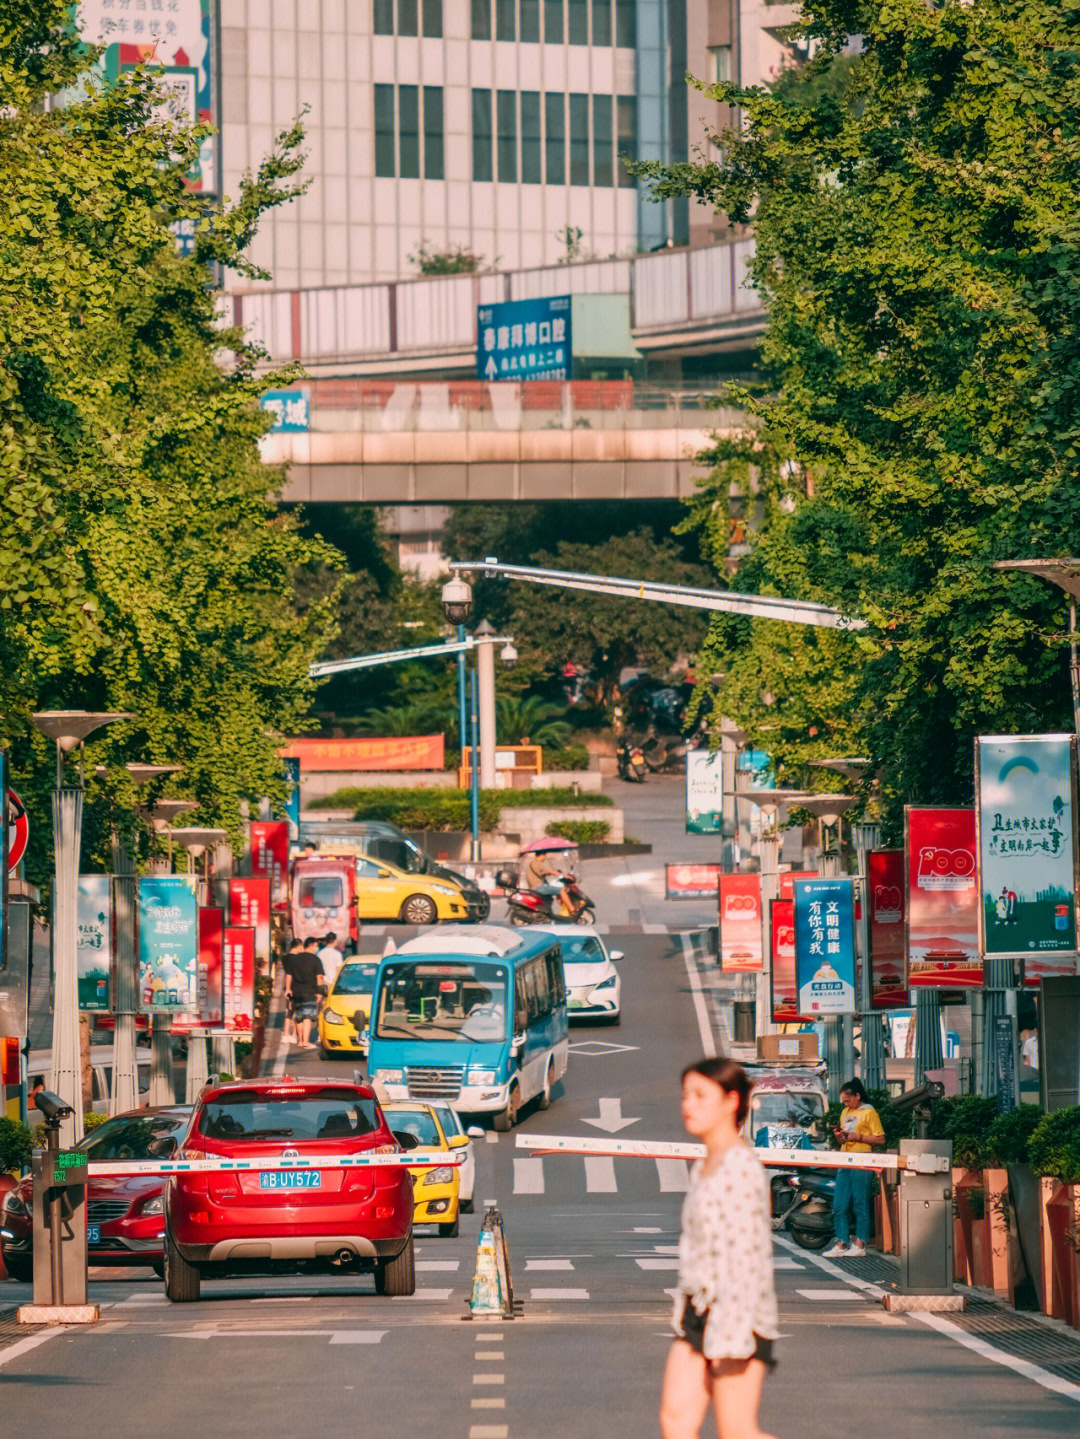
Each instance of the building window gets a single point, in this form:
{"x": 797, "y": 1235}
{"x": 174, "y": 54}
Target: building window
{"x": 601, "y": 22}
{"x": 626, "y": 115}
{"x": 506, "y": 20}
{"x": 578, "y": 22}
{"x": 408, "y": 22}
{"x": 481, "y": 22}
{"x": 555, "y": 138}
{"x": 481, "y": 135}
{"x": 408, "y": 132}
{"x": 626, "y": 24}
{"x": 579, "y": 139}
{"x": 506, "y": 114}
{"x": 603, "y": 143}
{"x": 719, "y": 64}
{"x": 433, "y": 19}
{"x": 531, "y": 173}
{"x": 384, "y": 131}
{"x": 434, "y": 166}
{"x": 529, "y": 21}
{"x": 384, "y": 17}
{"x": 553, "y": 22}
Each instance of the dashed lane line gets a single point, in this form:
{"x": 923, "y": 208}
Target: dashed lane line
{"x": 488, "y": 1401}
{"x": 708, "y": 1044}
{"x": 600, "y": 1174}
{"x": 819, "y": 1296}
{"x": 534, "y": 1264}
{"x": 489, "y": 1431}
{"x": 547, "y": 1295}
{"x": 528, "y": 1176}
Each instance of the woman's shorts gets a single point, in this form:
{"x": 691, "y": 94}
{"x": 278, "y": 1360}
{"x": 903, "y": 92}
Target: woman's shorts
{"x": 693, "y": 1327}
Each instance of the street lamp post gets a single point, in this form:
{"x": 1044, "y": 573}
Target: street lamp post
{"x": 197, "y": 841}
{"x": 69, "y": 729}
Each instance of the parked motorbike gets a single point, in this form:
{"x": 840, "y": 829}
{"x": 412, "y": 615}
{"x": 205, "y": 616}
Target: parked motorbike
{"x": 663, "y": 753}
{"x": 526, "y": 906}
{"x": 630, "y": 759}
{"x": 802, "y": 1205}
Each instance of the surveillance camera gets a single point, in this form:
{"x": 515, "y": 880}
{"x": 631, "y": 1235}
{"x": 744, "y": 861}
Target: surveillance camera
{"x": 457, "y": 600}
{"x": 916, "y": 1098}
{"x": 509, "y": 655}
{"x": 55, "y": 1109}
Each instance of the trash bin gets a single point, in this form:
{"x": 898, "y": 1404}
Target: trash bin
{"x": 744, "y": 1021}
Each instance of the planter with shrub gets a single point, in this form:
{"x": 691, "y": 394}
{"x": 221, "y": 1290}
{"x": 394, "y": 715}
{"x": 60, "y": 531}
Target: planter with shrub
{"x": 1054, "y": 1153}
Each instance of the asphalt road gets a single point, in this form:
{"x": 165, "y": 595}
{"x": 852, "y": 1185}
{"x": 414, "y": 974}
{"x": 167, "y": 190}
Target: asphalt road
{"x": 592, "y": 1252}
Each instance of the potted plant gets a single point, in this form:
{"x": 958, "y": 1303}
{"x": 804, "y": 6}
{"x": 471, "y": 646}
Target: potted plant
{"x": 1011, "y": 1193}
{"x": 964, "y": 1120}
{"x": 1054, "y": 1151}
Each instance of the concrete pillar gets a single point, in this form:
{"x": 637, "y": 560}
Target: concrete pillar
{"x": 125, "y": 1085}
{"x": 198, "y": 1071}
{"x": 485, "y": 674}
{"x": 162, "y": 1079}
{"x": 65, "y": 1077}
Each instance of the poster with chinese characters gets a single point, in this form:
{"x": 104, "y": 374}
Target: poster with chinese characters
{"x": 525, "y": 339}
{"x": 942, "y": 911}
{"x": 888, "y": 952}
{"x": 211, "y": 943}
{"x": 270, "y": 857}
{"x": 177, "y": 39}
{"x": 249, "y": 908}
{"x": 168, "y": 943}
{"x": 704, "y": 791}
{"x": 740, "y": 923}
{"x": 1027, "y": 847}
{"x": 239, "y": 978}
{"x": 94, "y": 927}
{"x": 785, "y": 989}
{"x": 825, "y": 945}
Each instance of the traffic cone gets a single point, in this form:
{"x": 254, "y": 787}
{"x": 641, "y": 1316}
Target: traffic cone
{"x": 491, "y": 1297}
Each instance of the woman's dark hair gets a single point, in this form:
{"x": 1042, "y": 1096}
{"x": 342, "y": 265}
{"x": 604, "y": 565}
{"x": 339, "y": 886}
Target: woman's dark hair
{"x": 731, "y": 1078}
{"x": 855, "y": 1087}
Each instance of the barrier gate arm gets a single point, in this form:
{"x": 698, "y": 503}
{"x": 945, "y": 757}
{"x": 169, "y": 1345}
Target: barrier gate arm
{"x": 104, "y": 1168}
{"x": 781, "y": 1158}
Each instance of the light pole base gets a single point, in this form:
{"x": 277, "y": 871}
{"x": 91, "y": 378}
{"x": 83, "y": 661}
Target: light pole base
{"x": 897, "y": 1302}
{"x": 57, "y": 1314}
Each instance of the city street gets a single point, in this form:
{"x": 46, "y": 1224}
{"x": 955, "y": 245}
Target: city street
{"x": 592, "y": 1250}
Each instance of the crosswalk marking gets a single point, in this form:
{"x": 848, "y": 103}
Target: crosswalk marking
{"x": 528, "y": 1176}
{"x": 437, "y": 1295}
{"x": 600, "y": 1174}
{"x": 489, "y": 1402}
{"x": 781, "y": 1261}
{"x": 488, "y": 1431}
{"x": 531, "y": 1264}
{"x": 489, "y": 1379}
{"x": 664, "y": 1262}
{"x": 826, "y": 1294}
{"x": 546, "y": 1294}
{"x": 674, "y": 1175}
{"x": 448, "y": 1266}
{"x": 357, "y": 1336}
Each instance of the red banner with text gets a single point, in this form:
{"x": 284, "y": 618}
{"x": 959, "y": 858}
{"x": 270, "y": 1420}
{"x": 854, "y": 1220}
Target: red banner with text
{"x": 270, "y": 857}
{"x": 249, "y": 907}
{"x": 888, "y": 953}
{"x": 239, "y": 979}
{"x": 740, "y": 923}
{"x": 942, "y": 920}
{"x": 785, "y": 989}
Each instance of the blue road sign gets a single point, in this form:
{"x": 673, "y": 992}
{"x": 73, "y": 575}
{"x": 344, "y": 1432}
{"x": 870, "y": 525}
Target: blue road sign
{"x": 290, "y": 408}
{"x": 525, "y": 340}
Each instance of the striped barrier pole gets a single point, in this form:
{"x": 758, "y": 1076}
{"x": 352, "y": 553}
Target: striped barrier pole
{"x": 785, "y": 1158}
{"x": 107, "y": 1169}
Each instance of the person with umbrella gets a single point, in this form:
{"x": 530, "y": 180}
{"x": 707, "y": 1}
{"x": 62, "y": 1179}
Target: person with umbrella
{"x": 542, "y": 871}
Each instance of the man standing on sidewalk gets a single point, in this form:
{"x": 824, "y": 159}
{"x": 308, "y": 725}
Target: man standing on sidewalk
{"x": 858, "y": 1132}
{"x": 304, "y": 983}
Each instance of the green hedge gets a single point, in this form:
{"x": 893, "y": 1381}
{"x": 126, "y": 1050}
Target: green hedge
{"x": 1008, "y": 1137}
{"x": 1054, "y": 1147}
{"x": 966, "y": 1120}
{"x": 16, "y": 1146}
{"x": 581, "y": 831}
{"x": 448, "y": 809}
{"x": 573, "y": 756}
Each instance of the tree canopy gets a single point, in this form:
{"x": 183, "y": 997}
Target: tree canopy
{"x": 915, "y": 207}
{"x": 145, "y": 564}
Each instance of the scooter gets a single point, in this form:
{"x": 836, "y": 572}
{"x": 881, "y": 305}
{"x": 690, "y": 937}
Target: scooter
{"x": 630, "y": 759}
{"x": 664, "y": 752}
{"x": 526, "y": 906}
{"x": 802, "y": 1205}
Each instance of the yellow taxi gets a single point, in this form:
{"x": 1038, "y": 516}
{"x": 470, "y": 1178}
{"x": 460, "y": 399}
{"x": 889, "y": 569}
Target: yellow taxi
{"x": 345, "y": 1013}
{"x": 385, "y": 892}
{"x": 436, "y": 1192}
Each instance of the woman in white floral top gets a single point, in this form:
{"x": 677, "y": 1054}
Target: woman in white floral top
{"x": 725, "y": 1311}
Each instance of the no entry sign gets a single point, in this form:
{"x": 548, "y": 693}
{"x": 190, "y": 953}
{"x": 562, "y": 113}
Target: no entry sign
{"x": 18, "y": 830}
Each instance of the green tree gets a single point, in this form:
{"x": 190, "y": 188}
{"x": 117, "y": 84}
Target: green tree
{"x": 146, "y": 566}
{"x": 917, "y": 230}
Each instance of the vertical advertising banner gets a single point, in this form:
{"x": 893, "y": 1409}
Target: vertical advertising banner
{"x": 239, "y": 978}
{"x": 211, "y": 962}
{"x": 704, "y": 791}
{"x": 785, "y": 989}
{"x": 292, "y": 804}
{"x": 94, "y": 930}
{"x": 270, "y": 857}
{"x": 1027, "y": 850}
{"x": 168, "y": 943}
{"x": 788, "y": 878}
{"x": 942, "y": 918}
{"x": 740, "y": 923}
{"x": 249, "y": 908}
{"x": 825, "y": 946}
{"x": 888, "y": 952}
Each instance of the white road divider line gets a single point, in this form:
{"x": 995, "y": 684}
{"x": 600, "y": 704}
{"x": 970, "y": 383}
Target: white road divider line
{"x": 442, "y": 1266}
{"x": 489, "y": 1431}
{"x": 489, "y": 1356}
{"x": 1024, "y": 1367}
{"x": 552, "y": 1294}
{"x": 844, "y": 1296}
{"x": 528, "y": 1176}
{"x": 23, "y": 1346}
{"x": 357, "y": 1336}
{"x": 708, "y": 1044}
{"x": 488, "y": 1401}
{"x": 600, "y": 1175}
{"x": 489, "y": 1379}
{"x": 534, "y": 1264}
{"x": 872, "y": 1291}
{"x": 781, "y": 1261}
{"x": 658, "y": 1264}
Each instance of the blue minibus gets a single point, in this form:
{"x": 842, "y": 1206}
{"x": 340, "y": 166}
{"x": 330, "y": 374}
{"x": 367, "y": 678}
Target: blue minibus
{"x": 473, "y": 1016}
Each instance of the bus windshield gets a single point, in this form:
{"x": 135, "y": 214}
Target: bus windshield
{"x": 443, "y": 1000}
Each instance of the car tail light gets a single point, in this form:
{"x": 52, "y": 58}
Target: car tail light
{"x": 384, "y": 1211}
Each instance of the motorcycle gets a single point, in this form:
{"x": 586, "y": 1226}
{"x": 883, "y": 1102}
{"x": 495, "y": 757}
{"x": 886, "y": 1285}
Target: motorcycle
{"x": 526, "y": 906}
{"x": 664, "y": 753}
{"x": 630, "y": 759}
{"x": 802, "y": 1205}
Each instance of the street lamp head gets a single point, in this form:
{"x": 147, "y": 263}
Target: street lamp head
{"x": 457, "y": 600}
{"x": 142, "y": 773}
{"x": 71, "y": 727}
{"x": 163, "y": 811}
{"x": 509, "y": 655}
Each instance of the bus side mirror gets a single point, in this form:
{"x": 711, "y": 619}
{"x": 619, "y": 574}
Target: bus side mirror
{"x": 517, "y": 1044}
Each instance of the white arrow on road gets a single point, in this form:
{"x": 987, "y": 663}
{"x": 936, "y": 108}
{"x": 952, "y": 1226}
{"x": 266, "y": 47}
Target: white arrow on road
{"x": 610, "y": 1118}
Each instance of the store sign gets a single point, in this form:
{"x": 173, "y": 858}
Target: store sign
{"x": 1027, "y": 850}
{"x": 888, "y": 953}
{"x": 525, "y": 340}
{"x": 239, "y": 979}
{"x": 740, "y": 923}
{"x": 825, "y": 946}
{"x": 290, "y": 409}
{"x": 942, "y": 917}
{"x": 249, "y": 908}
{"x": 270, "y": 857}
{"x": 691, "y": 881}
{"x": 342, "y": 756}
{"x": 94, "y": 940}
{"x": 168, "y": 943}
{"x": 704, "y": 791}
{"x": 785, "y": 989}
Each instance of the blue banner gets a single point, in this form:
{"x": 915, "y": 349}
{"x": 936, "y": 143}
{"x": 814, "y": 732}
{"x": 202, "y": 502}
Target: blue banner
{"x": 525, "y": 340}
{"x": 292, "y": 804}
{"x": 168, "y": 943}
{"x": 825, "y": 945}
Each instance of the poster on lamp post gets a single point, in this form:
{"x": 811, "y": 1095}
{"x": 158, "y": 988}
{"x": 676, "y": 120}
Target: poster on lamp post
{"x": 238, "y": 975}
{"x": 168, "y": 943}
{"x": 1026, "y": 814}
{"x": 704, "y": 791}
{"x": 270, "y": 857}
{"x": 888, "y": 953}
{"x": 211, "y": 946}
{"x": 942, "y": 900}
{"x": 94, "y": 941}
{"x": 249, "y": 908}
{"x": 785, "y": 988}
{"x": 740, "y": 923}
{"x": 825, "y": 946}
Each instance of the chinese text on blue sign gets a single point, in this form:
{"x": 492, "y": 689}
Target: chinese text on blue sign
{"x": 525, "y": 340}
{"x": 290, "y": 409}
{"x": 825, "y": 945}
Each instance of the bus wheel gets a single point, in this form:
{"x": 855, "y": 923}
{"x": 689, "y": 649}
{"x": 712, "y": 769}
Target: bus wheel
{"x": 544, "y": 1102}
{"x": 505, "y": 1120}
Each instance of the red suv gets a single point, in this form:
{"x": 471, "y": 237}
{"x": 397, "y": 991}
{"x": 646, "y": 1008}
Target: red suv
{"x": 259, "y": 1222}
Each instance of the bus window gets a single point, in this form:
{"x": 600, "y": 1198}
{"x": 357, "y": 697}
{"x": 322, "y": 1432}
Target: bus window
{"x": 556, "y": 979}
{"x": 521, "y": 1004}
{"x": 544, "y": 1001}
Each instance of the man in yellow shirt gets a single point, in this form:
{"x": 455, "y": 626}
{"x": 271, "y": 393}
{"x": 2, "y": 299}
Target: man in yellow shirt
{"x": 858, "y": 1132}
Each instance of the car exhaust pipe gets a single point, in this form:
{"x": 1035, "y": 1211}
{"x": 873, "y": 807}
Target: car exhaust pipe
{"x": 343, "y": 1257}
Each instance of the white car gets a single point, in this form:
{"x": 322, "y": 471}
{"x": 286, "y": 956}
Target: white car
{"x": 451, "y": 1123}
{"x": 593, "y": 986}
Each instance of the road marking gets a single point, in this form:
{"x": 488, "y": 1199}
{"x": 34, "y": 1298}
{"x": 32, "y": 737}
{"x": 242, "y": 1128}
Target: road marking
{"x": 596, "y": 1048}
{"x": 528, "y": 1176}
{"x": 23, "y": 1346}
{"x": 282, "y": 1299}
{"x": 488, "y": 1338}
{"x": 531, "y": 1264}
{"x": 610, "y": 1119}
{"x": 1023, "y": 1367}
{"x": 545, "y": 1294}
{"x": 447, "y": 1266}
{"x": 491, "y": 1137}
{"x": 674, "y": 1177}
{"x": 489, "y": 1356}
{"x": 488, "y": 1431}
{"x": 667, "y": 1264}
{"x": 834, "y": 1271}
{"x": 647, "y": 1229}
{"x": 708, "y": 1044}
{"x": 489, "y": 1402}
{"x": 781, "y": 1261}
{"x": 843, "y": 1295}
{"x": 335, "y": 1336}
{"x": 437, "y": 1295}
{"x": 489, "y": 1379}
{"x": 600, "y": 1174}
{"x": 357, "y": 1336}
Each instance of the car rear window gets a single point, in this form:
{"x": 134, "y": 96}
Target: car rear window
{"x": 321, "y": 891}
{"x": 330, "y": 1114}
{"x": 129, "y": 1137}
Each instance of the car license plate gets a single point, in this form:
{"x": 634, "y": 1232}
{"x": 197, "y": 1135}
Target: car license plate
{"x": 290, "y": 1179}
{"x": 575, "y": 1004}
{"x": 93, "y": 1234}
